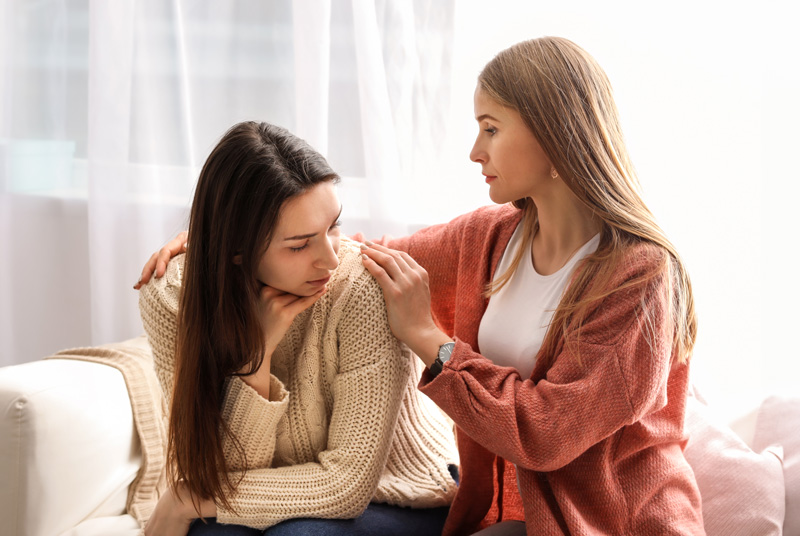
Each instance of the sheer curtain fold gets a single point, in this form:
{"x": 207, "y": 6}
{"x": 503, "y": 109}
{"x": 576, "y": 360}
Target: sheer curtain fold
{"x": 131, "y": 96}
{"x": 311, "y": 32}
{"x": 110, "y": 88}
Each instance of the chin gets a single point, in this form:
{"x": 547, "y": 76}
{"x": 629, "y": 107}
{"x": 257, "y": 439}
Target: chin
{"x": 306, "y": 290}
{"x": 497, "y": 198}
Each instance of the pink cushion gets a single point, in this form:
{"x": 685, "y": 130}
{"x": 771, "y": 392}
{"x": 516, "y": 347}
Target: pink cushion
{"x": 778, "y": 423}
{"x": 742, "y": 490}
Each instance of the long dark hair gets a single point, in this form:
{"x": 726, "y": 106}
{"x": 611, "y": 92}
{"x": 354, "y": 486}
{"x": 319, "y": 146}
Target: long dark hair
{"x": 254, "y": 169}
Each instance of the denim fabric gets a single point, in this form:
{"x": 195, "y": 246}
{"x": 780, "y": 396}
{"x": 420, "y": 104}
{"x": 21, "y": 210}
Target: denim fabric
{"x": 380, "y": 519}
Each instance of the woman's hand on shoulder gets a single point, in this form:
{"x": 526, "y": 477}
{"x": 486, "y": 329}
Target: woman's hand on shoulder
{"x": 157, "y": 263}
{"x": 408, "y": 299}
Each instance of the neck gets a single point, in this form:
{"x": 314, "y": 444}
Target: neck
{"x": 565, "y": 224}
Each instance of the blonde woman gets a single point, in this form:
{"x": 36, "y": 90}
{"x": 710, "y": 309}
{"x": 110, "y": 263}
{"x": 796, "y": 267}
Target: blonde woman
{"x": 557, "y": 327}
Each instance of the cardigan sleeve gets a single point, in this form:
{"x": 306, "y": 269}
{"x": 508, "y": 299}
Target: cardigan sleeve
{"x": 251, "y": 418}
{"x": 614, "y": 375}
{"x": 368, "y": 389}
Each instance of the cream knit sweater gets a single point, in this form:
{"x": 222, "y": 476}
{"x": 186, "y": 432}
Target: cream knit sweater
{"x": 348, "y": 425}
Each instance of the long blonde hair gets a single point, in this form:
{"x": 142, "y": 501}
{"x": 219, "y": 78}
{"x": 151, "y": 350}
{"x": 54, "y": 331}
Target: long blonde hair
{"x": 566, "y": 100}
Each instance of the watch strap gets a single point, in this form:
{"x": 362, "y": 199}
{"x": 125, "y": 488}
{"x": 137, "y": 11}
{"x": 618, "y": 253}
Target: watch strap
{"x": 445, "y": 351}
{"x": 436, "y": 367}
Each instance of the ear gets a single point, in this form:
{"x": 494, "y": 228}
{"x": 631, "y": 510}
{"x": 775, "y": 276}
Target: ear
{"x": 237, "y": 259}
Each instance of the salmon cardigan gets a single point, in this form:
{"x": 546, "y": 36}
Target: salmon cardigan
{"x": 589, "y": 448}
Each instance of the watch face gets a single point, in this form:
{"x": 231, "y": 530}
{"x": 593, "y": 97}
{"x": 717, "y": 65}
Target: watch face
{"x": 445, "y": 351}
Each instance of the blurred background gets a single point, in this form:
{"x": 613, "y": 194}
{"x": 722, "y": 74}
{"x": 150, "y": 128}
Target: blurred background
{"x": 108, "y": 110}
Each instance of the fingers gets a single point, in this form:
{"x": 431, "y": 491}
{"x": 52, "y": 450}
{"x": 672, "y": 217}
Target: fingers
{"x": 174, "y": 247}
{"x": 147, "y": 271}
{"x": 289, "y": 303}
{"x": 377, "y": 272}
{"x": 157, "y": 263}
{"x": 398, "y": 266}
{"x": 301, "y": 304}
{"x": 391, "y": 261}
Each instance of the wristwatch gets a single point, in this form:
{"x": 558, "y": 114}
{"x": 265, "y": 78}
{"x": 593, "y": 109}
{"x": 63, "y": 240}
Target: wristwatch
{"x": 445, "y": 351}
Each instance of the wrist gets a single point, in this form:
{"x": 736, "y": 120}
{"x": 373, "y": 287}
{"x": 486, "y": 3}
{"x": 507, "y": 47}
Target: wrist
{"x": 261, "y": 379}
{"x": 427, "y": 344}
{"x": 188, "y": 509}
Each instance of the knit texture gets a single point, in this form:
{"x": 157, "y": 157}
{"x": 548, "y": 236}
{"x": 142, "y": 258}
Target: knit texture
{"x": 348, "y": 425}
{"x": 589, "y": 448}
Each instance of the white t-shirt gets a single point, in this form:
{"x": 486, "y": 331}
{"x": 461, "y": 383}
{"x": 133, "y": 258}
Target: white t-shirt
{"x": 516, "y": 320}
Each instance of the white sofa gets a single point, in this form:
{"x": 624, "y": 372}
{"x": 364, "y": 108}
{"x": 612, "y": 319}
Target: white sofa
{"x": 70, "y": 451}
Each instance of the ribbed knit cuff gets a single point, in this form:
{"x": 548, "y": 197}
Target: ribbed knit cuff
{"x": 254, "y": 420}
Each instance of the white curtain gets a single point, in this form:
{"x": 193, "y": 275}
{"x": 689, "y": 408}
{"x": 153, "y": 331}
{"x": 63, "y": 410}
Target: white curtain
{"x": 110, "y": 108}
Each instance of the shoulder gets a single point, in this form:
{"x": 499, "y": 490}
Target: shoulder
{"x": 163, "y": 294}
{"x": 482, "y": 226}
{"x": 636, "y": 288}
{"x": 642, "y": 259}
{"x": 489, "y": 217}
{"x": 351, "y": 281}
{"x": 354, "y": 306}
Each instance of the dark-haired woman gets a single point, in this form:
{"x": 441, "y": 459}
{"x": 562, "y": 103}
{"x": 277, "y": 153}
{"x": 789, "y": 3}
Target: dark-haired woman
{"x": 292, "y": 406}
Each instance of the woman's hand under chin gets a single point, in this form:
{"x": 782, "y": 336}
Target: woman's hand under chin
{"x": 277, "y": 310}
{"x": 174, "y": 513}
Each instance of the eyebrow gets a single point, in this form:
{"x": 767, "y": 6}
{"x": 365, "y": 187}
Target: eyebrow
{"x": 486, "y": 116}
{"x": 311, "y": 235}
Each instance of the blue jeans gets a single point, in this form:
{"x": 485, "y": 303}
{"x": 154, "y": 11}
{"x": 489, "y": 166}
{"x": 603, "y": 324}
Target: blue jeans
{"x": 381, "y": 519}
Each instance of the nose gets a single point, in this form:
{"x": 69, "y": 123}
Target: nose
{"x": 328, "y": 258}
{"x": 477, "y": 154}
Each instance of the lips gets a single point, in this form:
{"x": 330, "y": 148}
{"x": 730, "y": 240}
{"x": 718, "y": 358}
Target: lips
{"x": 320, "y": 282}
{"x": 489, "y": 178}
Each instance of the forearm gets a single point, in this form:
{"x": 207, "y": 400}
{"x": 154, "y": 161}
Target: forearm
{"x": 205, "y": 508}
{"x": 254, "y": 421}
{"x": 526, "y": 423}
{"x": 175, "y": 511}
{"x": 343, "y": 478}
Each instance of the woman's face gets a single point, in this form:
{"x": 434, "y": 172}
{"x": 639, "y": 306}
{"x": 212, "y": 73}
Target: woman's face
{"x": 303, "y": 252}
{"x": 511, "y": 158}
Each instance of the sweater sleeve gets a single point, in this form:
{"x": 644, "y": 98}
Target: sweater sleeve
{"x": 367, "y": 391}
{"x": 615, "y": 374}
{"x": 242, "y": 406}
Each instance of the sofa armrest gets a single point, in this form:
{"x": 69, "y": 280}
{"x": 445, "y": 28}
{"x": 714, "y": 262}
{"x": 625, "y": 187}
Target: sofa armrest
{"x": 68, "y": 447}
